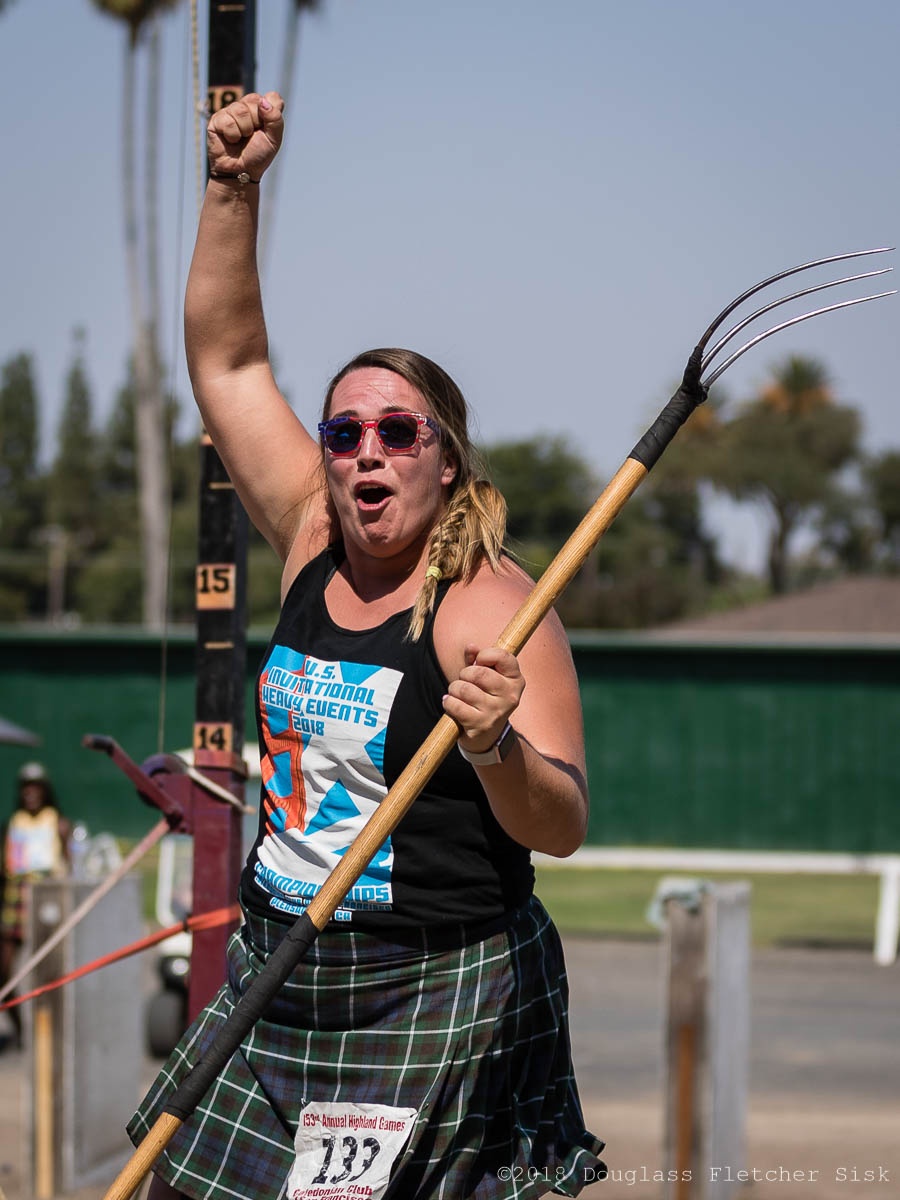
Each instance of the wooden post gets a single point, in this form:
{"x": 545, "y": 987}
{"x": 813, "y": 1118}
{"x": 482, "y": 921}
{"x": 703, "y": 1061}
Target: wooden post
{"x": 46, "y": 908}
{"x": 86, "y": 1046}
{"x": 220, "y": 602}
{"x": 707, "y": 955}
{"x": 685, "y": 1042}
{"x": 44, "y": 1114}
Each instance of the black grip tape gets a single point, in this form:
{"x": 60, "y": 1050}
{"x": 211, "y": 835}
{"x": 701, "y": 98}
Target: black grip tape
{"x": 673, "y": 416}
{"x": 247, "y": 1012}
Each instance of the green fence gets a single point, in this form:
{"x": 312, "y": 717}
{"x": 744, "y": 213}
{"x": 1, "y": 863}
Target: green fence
{"x": 765, "y": 747}
{"x": 775, "y": 747}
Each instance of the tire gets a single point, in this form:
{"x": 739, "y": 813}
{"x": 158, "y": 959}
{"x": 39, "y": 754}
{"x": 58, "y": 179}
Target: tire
{"x": 166, "y": 1022}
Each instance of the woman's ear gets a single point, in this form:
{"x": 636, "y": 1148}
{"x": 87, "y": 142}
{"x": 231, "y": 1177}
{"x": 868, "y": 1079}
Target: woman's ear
{"x": 449, "y": 472}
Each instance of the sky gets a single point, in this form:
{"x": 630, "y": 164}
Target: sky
{"x": 551, "y": 200}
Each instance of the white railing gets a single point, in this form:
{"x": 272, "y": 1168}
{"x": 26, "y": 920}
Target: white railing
{"x": 785, "y": 862}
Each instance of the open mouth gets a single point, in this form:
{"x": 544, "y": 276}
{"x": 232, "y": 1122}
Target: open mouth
{"x": 371, "y": 495}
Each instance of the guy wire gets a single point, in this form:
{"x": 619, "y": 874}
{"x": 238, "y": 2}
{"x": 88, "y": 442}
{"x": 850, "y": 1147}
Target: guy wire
{"x": 175, "y": 349}
{"x": 200, "y": 110}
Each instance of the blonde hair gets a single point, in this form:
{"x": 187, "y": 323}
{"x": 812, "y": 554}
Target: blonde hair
{"x": 473, "y": 525}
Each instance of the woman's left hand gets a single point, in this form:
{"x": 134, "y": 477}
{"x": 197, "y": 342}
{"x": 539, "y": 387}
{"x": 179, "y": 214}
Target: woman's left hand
{"x": 484, "y": 696}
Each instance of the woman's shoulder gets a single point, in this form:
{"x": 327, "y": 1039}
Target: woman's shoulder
{"x": 478, "y": 609}
{"x": 488, "y": 588}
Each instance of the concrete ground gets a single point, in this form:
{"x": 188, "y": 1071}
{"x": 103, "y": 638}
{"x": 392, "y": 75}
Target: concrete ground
{"x": 824, "y": 1103}
{"x": 824, "y": 1091}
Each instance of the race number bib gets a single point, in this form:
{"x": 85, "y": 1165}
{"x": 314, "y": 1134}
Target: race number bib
{"x": 346, "y": 1151}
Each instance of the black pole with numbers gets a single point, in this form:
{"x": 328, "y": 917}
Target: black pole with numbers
{"x": 221, "y": 593}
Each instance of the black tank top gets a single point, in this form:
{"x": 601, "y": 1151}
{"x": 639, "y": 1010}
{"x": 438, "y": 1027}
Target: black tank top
{"x": 340, "y": 713}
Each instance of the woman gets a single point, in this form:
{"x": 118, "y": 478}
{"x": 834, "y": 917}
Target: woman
{"x": 423, "y": 1040}
{"x": 35, "y": 844}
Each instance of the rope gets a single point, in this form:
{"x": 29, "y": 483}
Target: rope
{"x": 175, "y": 344}
{"x": 207, "y": 920}
{"x": 90, "y": 902}
{"x": 174, "y": 352}
{"x": 200, "y": 110}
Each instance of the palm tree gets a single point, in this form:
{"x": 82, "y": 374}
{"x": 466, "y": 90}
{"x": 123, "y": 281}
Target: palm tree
{"x": 799, "y": 387}
{"x": 141, "y": 21}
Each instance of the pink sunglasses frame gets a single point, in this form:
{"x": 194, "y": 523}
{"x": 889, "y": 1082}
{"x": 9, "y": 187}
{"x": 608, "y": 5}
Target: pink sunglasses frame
{"x": 374, "y": 423}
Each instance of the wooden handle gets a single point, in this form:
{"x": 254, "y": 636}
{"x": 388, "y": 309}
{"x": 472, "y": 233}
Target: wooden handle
{"x": 571, "y": 557}
{"x": 420, "y": 768}
{"x": 383, "y": 821}
{"x": 43, "y": 1103}
{"x": 443, "y": 737}
{"x": 132, "y": 1174}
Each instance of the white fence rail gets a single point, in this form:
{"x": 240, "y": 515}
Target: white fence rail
{"x": 886, "y": 866}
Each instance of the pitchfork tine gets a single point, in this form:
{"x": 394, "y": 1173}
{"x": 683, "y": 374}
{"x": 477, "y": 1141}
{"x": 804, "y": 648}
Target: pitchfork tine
{"x": 726, "y": 338}
{"x": 819, "y": 262}
{"x": 694, "y": 388}
{"x": 707, "y": 383}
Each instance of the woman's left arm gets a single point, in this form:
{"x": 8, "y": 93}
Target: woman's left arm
{"x": 538, "y": 792}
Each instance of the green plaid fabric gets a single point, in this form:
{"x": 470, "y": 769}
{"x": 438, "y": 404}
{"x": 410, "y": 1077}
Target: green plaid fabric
{"x": 472, "y": 1035}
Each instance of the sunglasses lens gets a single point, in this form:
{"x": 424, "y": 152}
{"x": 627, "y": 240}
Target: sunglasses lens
{"x": 342, "y": 435}
{"x": 399, "y": 431}
{"x": 396, "y": 431}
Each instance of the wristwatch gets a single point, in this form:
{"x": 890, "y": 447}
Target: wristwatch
{"x": 497, "y": 753}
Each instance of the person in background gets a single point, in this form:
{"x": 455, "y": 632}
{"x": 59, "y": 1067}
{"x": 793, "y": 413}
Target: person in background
{"x": 35, "y": 846}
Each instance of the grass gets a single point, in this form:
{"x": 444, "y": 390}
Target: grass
{"x": 608, "y": 902}
{"x": 784, "y": 909}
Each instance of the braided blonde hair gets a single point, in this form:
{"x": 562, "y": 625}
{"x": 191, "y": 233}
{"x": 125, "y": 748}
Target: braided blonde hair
{"x": 473, "y": 524}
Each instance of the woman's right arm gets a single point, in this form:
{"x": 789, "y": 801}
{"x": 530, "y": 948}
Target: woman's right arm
{"x": 271, "y": 459}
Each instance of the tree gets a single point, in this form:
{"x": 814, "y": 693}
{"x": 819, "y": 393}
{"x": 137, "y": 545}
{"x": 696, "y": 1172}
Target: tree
{"x": 672, "y": 498}
{"x": 118, "y": 521}
{"x": 655, "y": 563}
{"x": 140, "y": 17}
{"x": 117, "y": 469}
{"x": 639, "y": 578}
{"x": 72, "y": 483}
{"x": 21, "y": 494}
{"x": 847, "y": 534}
{"x": 20, "y": 501}
{"x": 785, "y": 449}
{"x": 108, "y": 589}
{"x": 71, "y": 507}
{"x": 882, "y": 475}
{"x": 548, "y": 489}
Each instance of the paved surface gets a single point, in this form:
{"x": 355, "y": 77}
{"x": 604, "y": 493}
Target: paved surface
{"x": 824, "y": 1101}
{"x": 824, "y": 1104}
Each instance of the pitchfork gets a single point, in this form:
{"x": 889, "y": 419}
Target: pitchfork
{"x": 298, "y": 939}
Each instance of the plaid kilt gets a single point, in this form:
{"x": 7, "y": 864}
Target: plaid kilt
{"x": 474, "y": 1036}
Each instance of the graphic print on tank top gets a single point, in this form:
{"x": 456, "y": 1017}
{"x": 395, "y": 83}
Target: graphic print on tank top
{"x": 324, "y": 725}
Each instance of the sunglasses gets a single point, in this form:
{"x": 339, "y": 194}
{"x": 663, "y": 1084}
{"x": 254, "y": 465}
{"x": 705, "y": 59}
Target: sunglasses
{"x": 397, "y": 431}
